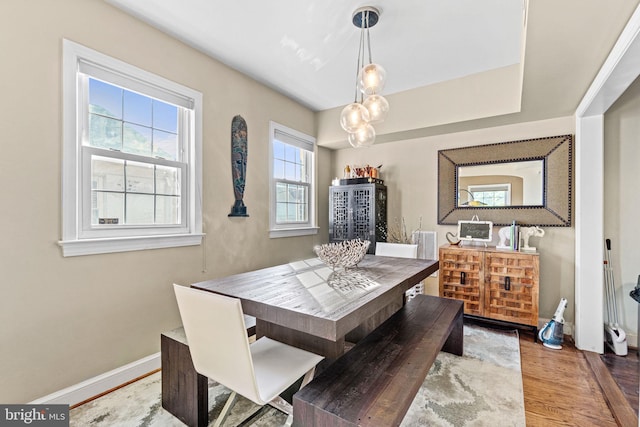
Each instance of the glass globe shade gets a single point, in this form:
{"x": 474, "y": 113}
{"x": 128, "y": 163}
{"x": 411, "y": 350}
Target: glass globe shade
{"x": 378, "y": 108}
{"x": 353, "y": 117}
{"x": 362, "y": 137}
{"x": 371, "y": 79}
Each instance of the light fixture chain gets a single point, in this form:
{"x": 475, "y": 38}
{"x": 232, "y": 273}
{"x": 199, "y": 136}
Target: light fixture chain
{"x": 369, "y": 45}
{"x": 360, "y": 57}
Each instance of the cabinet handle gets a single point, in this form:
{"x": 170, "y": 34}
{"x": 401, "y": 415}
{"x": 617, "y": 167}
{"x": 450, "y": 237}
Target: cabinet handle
{"x": 463, "y": 277}
{"x": 507, "y": 283}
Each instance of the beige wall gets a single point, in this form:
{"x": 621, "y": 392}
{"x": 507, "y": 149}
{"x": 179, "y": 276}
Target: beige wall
{"x": 64, "y": 320}
{"x": 622, "y": 201}
{"x": 410, "y": 171}
{"x": 495, "y": 92}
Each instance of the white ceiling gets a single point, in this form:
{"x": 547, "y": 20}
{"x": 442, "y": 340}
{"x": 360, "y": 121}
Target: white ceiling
{"x": 307, "y": 50}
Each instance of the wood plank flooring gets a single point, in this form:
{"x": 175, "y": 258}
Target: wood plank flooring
{"x": 560, "y": 388}
{"x": 626, "y": 373}
{"x": 619, "y": 406}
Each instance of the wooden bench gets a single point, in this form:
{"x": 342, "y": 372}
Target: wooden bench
{"x": 185, "y": 393}
{"x": 375, "y": 382}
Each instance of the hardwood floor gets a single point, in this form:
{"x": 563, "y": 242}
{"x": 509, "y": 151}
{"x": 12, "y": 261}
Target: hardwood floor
{"x": 626, "y": 373}
{"x": 560, "y": 388}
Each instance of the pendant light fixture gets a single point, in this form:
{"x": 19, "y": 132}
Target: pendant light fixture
{"x": 368, "y": 107}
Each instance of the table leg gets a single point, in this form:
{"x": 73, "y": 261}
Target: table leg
{"x": 374, "y": 321}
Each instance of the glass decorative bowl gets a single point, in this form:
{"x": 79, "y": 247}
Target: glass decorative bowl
{"x": 347, "y": 253}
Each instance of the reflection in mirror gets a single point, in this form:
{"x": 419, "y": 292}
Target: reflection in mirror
{"x": 501, "y": 184}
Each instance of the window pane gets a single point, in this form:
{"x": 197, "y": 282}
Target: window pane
{"x": 165, "y": 145}
{"x": 165, "y": 116}
{"x": 139, "y": 209}
{"x": 137, "y": 108}
{"x": 302, "y": 213}
{"x": 292, "y": 211}
{"x": 290, "y": 171}
{"x": 281, "y": 192}
{"x": 137, "y": 139}
{"x": 291, "y": 153}
{"x": 302, "y": 194}
{"x": 107, "y": 206}
{"x": 290, "y": 162}
{"x": 304, "y": 173}
{"x": 294, "y": 194}
{"x": 281, "y": 213}
{"x": 167, "y": 210}
{"x": 139, "y": 178}
{"x": 105, "y": 99}
{"x": 291, "y": 203}
{"x": 167, "y": 180}
{"x": 278, "y": 150}
{"x": 278, "y": 169}
{"x": 105, "y": 132}
{"x": 107, "y": 174}
{"x": 140, "y": 124}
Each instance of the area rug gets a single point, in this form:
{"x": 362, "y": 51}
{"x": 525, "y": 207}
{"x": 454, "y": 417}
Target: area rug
{"x": 481, "y": 388}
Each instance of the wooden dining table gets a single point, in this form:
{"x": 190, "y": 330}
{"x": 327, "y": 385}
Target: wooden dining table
{"x": 309, "y": 305}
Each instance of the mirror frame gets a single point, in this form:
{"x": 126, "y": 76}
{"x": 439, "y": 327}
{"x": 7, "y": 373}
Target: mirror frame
{"x": 557, "y": 155}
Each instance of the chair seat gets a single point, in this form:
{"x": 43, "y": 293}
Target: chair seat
{"x": 278, "y": 365}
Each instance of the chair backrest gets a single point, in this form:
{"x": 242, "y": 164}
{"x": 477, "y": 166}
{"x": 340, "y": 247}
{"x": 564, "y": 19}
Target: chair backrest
{"x": 217, "y": 338}
{"x": 399, "y": 250}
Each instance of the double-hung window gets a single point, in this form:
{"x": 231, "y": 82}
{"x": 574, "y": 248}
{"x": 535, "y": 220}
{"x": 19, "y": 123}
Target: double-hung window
{"x": 131, "y": 169}
{"x": 292, "y": 192}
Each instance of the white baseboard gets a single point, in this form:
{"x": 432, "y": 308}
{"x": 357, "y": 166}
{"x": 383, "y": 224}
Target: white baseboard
{"x": 104, "y": 382}
{"x": 632, "y": 340}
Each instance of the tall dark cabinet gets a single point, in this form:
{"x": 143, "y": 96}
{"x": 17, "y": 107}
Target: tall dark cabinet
{"x": 358, "y": 211}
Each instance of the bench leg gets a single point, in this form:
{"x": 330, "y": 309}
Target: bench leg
{"x": 454, "y": 343}
{"x": 184, "y": 391}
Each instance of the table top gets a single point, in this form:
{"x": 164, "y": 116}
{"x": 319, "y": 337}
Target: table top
{"x": 311, "y": 297}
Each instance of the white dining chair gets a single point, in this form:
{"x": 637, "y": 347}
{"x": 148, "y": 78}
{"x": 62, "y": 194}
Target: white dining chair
{"x": 401, "y": 250}
{"x": 220, "y": 350}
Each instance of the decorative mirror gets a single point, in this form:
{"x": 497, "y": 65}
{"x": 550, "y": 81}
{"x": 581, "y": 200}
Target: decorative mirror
{"x": 525, "y": 181}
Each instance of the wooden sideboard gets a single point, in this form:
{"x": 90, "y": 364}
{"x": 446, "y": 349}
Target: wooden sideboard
{"x": 496, "y": 284}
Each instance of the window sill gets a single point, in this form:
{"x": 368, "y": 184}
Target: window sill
{"x": 293, "y": 232}
{"x": 125, "y": 244}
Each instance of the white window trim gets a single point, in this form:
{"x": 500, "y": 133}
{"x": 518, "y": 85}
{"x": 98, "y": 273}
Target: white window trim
{"x": 73, "y": 243}
{"x": 291, "y": 230}
{"x": 506, "y": 187}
